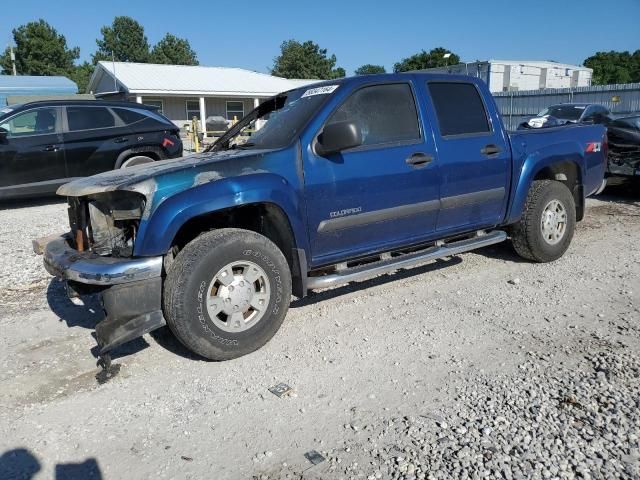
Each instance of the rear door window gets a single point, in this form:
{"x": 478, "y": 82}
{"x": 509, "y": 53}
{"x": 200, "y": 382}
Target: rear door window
{"x": 383, "y": 113}
{"x": 459, "y": 108}
{"x": 89, "y": 118}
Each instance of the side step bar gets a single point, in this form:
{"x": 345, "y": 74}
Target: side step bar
{"x": 388, "y": 264}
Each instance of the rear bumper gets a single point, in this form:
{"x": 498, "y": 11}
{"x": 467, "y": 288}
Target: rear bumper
{"x": 130, "y": 289}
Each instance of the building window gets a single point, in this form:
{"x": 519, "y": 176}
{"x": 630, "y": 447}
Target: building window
{"x": 235, "y": 109}
{"x": 193, "y": 109}
{"x": 159, "y": 104}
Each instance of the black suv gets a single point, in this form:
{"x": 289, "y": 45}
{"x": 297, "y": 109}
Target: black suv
{"x": 48, "y": 143}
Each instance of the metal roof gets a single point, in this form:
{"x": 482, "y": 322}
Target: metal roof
{"x": 154, "y": 79}
{"x": 31, "y": 85}
{"x": 29, "y": 82}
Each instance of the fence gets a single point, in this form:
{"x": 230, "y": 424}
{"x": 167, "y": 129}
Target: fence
{"x": 518, "y": 106}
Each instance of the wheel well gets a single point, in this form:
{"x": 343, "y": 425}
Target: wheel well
{"x": 566, "y": 172}
{"x": 150, "y": 154}
{"x": 136, "y": 152}
{"x": 264, "y": 218}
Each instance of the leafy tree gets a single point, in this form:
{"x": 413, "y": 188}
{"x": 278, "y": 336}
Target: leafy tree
{"x": 81, "y": 74}
{"x": 420, "y": 61}
{"x": 614, "y": 67}
{"x": 126, "y": 39}
{"x": 40, "y": 50}
{"x": 369, "y": 69}
{"x": 305, "y": 60}
{"x": 173, "y": 50}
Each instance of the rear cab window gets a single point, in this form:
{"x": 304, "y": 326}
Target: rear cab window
{"x": 384, "y": 113}
{"x": 459, "y": 109}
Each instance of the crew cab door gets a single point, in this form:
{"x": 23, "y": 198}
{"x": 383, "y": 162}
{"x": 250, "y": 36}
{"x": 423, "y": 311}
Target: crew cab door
{"x": 381, "y": 194}
{"x": 474, "y": 157}
{"x": 93, "y": 139}
{"x": 31, "y": 152}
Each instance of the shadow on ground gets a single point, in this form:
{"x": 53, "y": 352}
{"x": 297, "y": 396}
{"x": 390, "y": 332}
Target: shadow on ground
{"x": 86, "y": 316}
{"x": 21, "y": 464}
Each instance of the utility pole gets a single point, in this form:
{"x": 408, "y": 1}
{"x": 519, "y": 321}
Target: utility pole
{"x": 12, "y": 55}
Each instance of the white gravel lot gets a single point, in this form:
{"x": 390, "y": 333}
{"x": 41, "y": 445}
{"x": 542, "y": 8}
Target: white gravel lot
{"x": 479, "y": 366}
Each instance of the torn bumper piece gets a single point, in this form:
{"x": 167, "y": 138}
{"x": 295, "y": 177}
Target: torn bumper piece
{"x": 131, "y": 289}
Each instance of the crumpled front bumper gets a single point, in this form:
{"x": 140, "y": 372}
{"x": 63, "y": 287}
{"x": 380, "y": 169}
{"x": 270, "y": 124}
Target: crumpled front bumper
{"x": 131, "y": 289}
{"x": 61, "y": 260}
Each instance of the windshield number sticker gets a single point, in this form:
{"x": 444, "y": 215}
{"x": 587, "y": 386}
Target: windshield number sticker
{"x": 319, "y": 91}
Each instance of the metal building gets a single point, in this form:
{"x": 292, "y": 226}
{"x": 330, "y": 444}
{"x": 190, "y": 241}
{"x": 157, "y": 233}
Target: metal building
{"x": 510, "y": 75}
{"x": 32, "y": 86}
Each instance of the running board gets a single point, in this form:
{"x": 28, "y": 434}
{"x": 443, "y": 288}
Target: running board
{"x": 388, "y": 264}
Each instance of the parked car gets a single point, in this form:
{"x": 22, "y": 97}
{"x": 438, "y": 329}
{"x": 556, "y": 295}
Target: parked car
{"x": 45, "y": 144}
{"x": 568, "y": 113}
{"x": 348, "y": 179}
{"x": 624, "y": 147}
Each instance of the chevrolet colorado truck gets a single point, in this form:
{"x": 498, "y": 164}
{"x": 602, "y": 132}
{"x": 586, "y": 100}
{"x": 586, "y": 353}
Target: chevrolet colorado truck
{"x": 347, "y": 179}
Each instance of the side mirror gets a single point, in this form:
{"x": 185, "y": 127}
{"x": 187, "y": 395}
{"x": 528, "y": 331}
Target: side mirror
{"x": 3, "y": 134}
{"x": 588, "y": 120}
{"x": 338, "y": 136}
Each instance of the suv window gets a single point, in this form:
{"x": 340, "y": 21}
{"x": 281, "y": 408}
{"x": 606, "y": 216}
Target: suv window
{"x": 38, "y": 121}
{"x": 383, "y": 113}
{"x": 87, "y": 118}
{"x": 459, "y": 108}
{"x": 129, "y": 116}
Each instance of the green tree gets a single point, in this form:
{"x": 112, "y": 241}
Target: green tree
{"x": 126, "y": 39}
{"x": 40, "y": 50}
{"x": 420, "y": 61}
{"x": 81, "y": 74}
{"x": 305, "y": 60}
{"x": 614, "y": 67}
{"x": 173, "y": 50}
{"x": 369, "y": 69}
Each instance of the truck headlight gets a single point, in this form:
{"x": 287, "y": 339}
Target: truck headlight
{"x": 114, "y": 218}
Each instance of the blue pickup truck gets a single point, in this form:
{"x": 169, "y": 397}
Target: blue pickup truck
{"x": 347, "y": 179}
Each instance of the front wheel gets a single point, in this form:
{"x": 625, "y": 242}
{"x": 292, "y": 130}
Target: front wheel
{"x": 546, "y": 227}
{"x": 227, "y": 293}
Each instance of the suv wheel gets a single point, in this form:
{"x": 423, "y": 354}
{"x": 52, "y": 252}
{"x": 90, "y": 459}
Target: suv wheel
{"x": 227, "y": 293}
{"x": 546, "y": 228}
{"x": 136, "y": 160}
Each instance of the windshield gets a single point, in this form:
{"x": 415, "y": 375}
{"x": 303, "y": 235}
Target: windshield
{"x": 285, "y": 115}
{"x": 564, "y": 112}
{"x": 632, "y": 122}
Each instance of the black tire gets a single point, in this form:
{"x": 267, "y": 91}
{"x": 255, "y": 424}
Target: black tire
{"x": 136, "y": 160}
{"x": 527, "y": 235}
{"x": 194, "y": 268}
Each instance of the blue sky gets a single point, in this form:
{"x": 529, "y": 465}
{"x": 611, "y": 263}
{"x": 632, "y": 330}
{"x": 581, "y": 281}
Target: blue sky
{"x": 248, "y": 34}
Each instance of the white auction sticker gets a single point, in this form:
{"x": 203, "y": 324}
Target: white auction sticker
{"x": 320, "y": 91}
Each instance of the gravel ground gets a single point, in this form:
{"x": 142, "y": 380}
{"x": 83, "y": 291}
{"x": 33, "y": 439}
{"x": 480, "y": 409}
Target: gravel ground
{"x": 478, "y": 366}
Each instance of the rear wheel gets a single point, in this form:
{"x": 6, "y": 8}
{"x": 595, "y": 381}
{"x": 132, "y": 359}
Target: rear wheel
{"x": 546, "y": 227}
{"x": 136, "y": 160}
{"x": 227, "y": 293}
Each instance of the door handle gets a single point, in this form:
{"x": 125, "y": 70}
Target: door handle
{"x": 121, "y": 140}
{"x": 419, "y": 159}
{"x": 490, "y": 149}
{"x": 50, "y": 148}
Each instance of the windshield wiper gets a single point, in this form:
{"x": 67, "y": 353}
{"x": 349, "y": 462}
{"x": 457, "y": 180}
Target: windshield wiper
{"x": 242, "y": 146}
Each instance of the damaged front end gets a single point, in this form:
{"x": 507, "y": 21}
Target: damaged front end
{"x": 96, "y": 257}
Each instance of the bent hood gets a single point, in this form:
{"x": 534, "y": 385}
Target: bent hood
{"x": 158, "y": 180}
